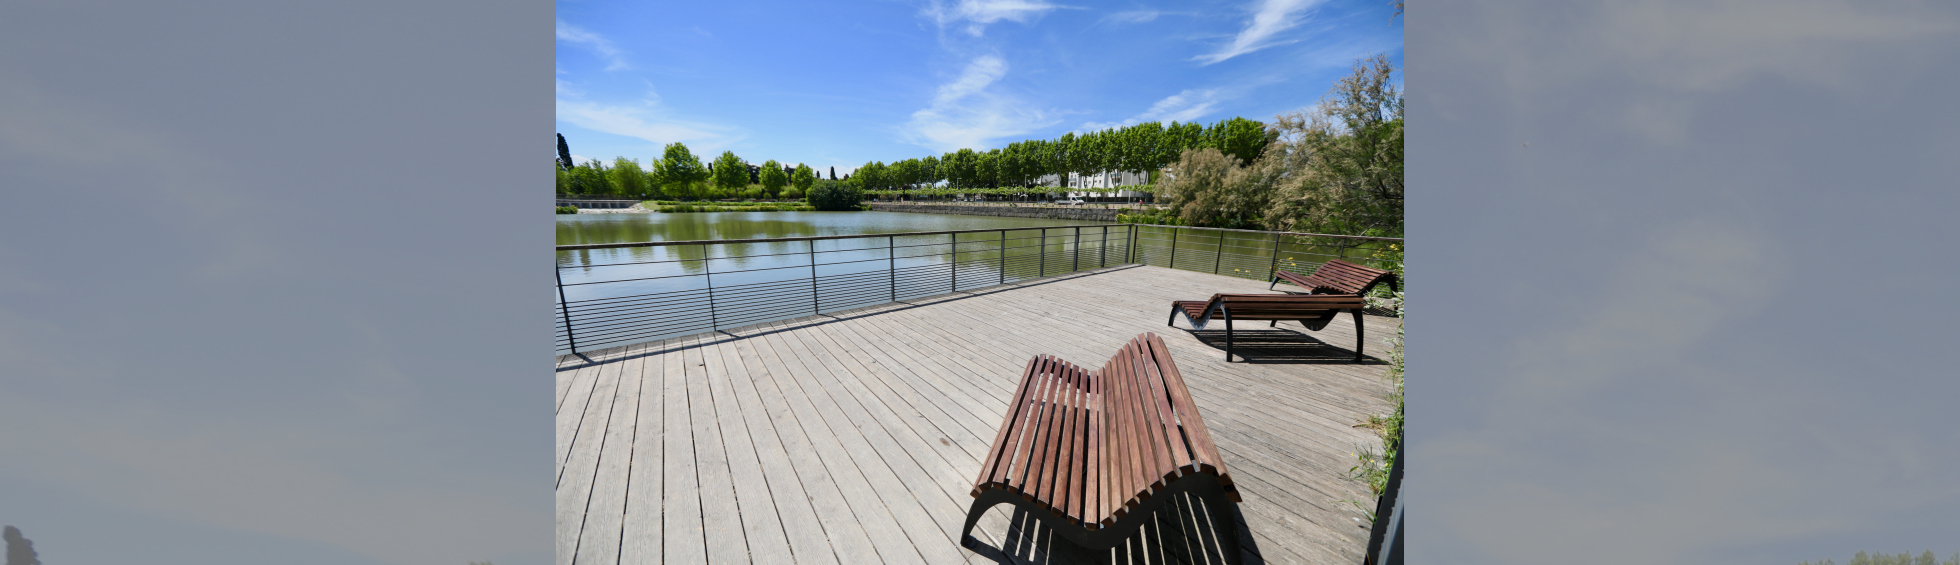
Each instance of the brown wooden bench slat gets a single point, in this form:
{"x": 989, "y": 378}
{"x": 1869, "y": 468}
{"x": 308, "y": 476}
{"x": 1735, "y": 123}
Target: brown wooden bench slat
{"x": 1177, "y": 453}
{"x": 1337, "y": 277}
{"x": 988, "y": 475}
{"x": 1071, "y": 434}
{"x": 1193, "y": 424}
{"x": 1030, "y": 455}
{"x": 1042, "y": 474}
{"x": 1020, "y": 442}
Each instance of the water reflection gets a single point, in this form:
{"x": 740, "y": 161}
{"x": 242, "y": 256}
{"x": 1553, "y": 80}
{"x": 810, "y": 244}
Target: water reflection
{"x": 632, "y": 294}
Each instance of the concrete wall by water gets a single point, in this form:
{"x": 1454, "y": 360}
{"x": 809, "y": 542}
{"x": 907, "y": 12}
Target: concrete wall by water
{"x": 1054, "y": 213}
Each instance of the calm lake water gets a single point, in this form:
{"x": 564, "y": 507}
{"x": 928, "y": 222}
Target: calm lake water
{"x": 626, "y": 294}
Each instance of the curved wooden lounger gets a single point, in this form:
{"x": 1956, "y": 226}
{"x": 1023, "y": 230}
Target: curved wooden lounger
{"x": 1093, "y": 454}
{"x": 1337, "y": 277}
{"x": 1312, "y": 310}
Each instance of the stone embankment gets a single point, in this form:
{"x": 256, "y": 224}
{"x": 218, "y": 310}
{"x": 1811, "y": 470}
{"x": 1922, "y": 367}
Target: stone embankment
{"x": 1052, "y": 213}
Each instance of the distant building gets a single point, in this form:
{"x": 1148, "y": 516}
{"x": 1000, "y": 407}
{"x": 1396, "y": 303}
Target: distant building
{"x": 1105, "y": 179}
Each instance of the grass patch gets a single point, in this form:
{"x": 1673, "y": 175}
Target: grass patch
{"x": 1370, "y": 466}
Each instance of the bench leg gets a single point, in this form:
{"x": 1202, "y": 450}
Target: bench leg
{"x": 985, "y": 501}
{"x": 1228, "y": 336}
{"x": 1172, "y": 322}
{"x": 1357, "y": 335}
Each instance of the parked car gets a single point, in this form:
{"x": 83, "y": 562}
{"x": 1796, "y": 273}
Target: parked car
{"x": 1075, "y": 202}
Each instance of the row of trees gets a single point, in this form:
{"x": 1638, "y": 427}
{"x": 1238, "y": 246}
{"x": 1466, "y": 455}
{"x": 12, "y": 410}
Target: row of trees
{"x": 1335, "y": 168}
{"x": 1148, "y": 146}
{"x": 678, "y": 174}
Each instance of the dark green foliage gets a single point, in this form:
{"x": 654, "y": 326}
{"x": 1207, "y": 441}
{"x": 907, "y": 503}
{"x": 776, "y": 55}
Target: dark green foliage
{"x": 564, "y": 154}
{"x": 567, "y": 209}
{"x": 589, "y": 178}
{"x": 773, "y": 176}
{"x": 729, "y": 171}
{"x": 835, "y": 196}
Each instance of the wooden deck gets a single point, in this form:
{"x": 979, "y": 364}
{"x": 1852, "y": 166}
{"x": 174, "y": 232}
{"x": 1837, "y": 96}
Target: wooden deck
{"x": 853, "y": 437}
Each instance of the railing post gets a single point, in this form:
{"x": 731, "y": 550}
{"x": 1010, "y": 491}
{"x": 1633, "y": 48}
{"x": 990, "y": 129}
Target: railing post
{"x": 1130, "y": 254}
{"x": 1003, "y": 256}
{"x": 707, "y": 269}
{"x": 956, "y": 261}
{"x": 563, "y": 309}
{"x": 1218, "y": 257}
{"x": 1102, "y": 249}
{"x": 1043, "y": 248}
{"x": 891, "y": 264}
{"x": 1075, "y": 260}
{"x": 1174, "y": 231}
{"x": 815, "y": 307}
{"x": 1272, "y": 270}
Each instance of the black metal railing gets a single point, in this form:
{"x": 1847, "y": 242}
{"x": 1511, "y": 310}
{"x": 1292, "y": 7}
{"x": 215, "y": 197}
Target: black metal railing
{"x": 674, "y": 288}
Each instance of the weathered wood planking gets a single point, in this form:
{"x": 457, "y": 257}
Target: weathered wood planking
{"x": 852, "y": 437}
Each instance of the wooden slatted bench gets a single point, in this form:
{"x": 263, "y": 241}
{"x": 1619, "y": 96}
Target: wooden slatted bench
{"x": 1094, "y": 453}
{"x": 1337, "y": 277}
{"x": 1312, "y": 310}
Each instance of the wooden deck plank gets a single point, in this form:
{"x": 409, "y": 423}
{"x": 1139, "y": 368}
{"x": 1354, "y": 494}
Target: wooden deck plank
{"x": 641, "y": 537}
{"x": 840, "y": 461}
{"x": 581, "y": 464}
{"x": 771, "y": 467}
{"x": 839, "y": 524}
{"x": 762, "y": 524}
{"x": 682, "y": 533}
{"x": 888, "y": 459}
{"x": 854, "y": 435}
{"x": 599, "y": 536}
{"x": 721, "y": 514}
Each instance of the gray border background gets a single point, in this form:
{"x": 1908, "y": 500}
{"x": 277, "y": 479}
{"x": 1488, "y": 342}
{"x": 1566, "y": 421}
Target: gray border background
{"x": 270, "y": 289}
{"x": 1682, "y": 280}
{"x": 273, "y": 285}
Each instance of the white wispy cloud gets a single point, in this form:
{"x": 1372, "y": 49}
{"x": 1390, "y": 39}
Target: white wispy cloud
{"x": 978, "y": 13}
{"x": 1181, "y": 107}
{"x": 647, "y": 120}
{"x": 604, "y": 47}
{"x": 1269, "y": 18}
{"x": 1132, "y": 16}
{"x": 964, "y": 114}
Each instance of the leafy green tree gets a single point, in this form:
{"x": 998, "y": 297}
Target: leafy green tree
{"x": 871, "y": 176}
{"x": 773, "y": 177}
{"x": 929, "y": 171}
{"x": 1210, "y": 188}
{"x": 837, "y": 195}
{"x": 627, "y": 178}
{"x": 681, "y": 173}
{"x": 1343, "y": 159}
{"x": 1243, "y": 139}
{"x": 1057, "y": 158}
{"x": 590, "y": 179}
{"x": 802, "y": 178}
{"x": 564, "y": 180}
{"x": 729, "y": 172}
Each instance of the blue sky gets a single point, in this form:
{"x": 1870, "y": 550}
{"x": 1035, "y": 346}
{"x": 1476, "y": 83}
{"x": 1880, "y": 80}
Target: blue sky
{"x": 840, "y": 85}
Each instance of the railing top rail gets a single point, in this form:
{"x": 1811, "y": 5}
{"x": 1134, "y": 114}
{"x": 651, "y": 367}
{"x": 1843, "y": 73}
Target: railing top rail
{"x": 810, "y": 238}
{"x": 1363, "y": 237}
{"x": 867, "y": 235}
